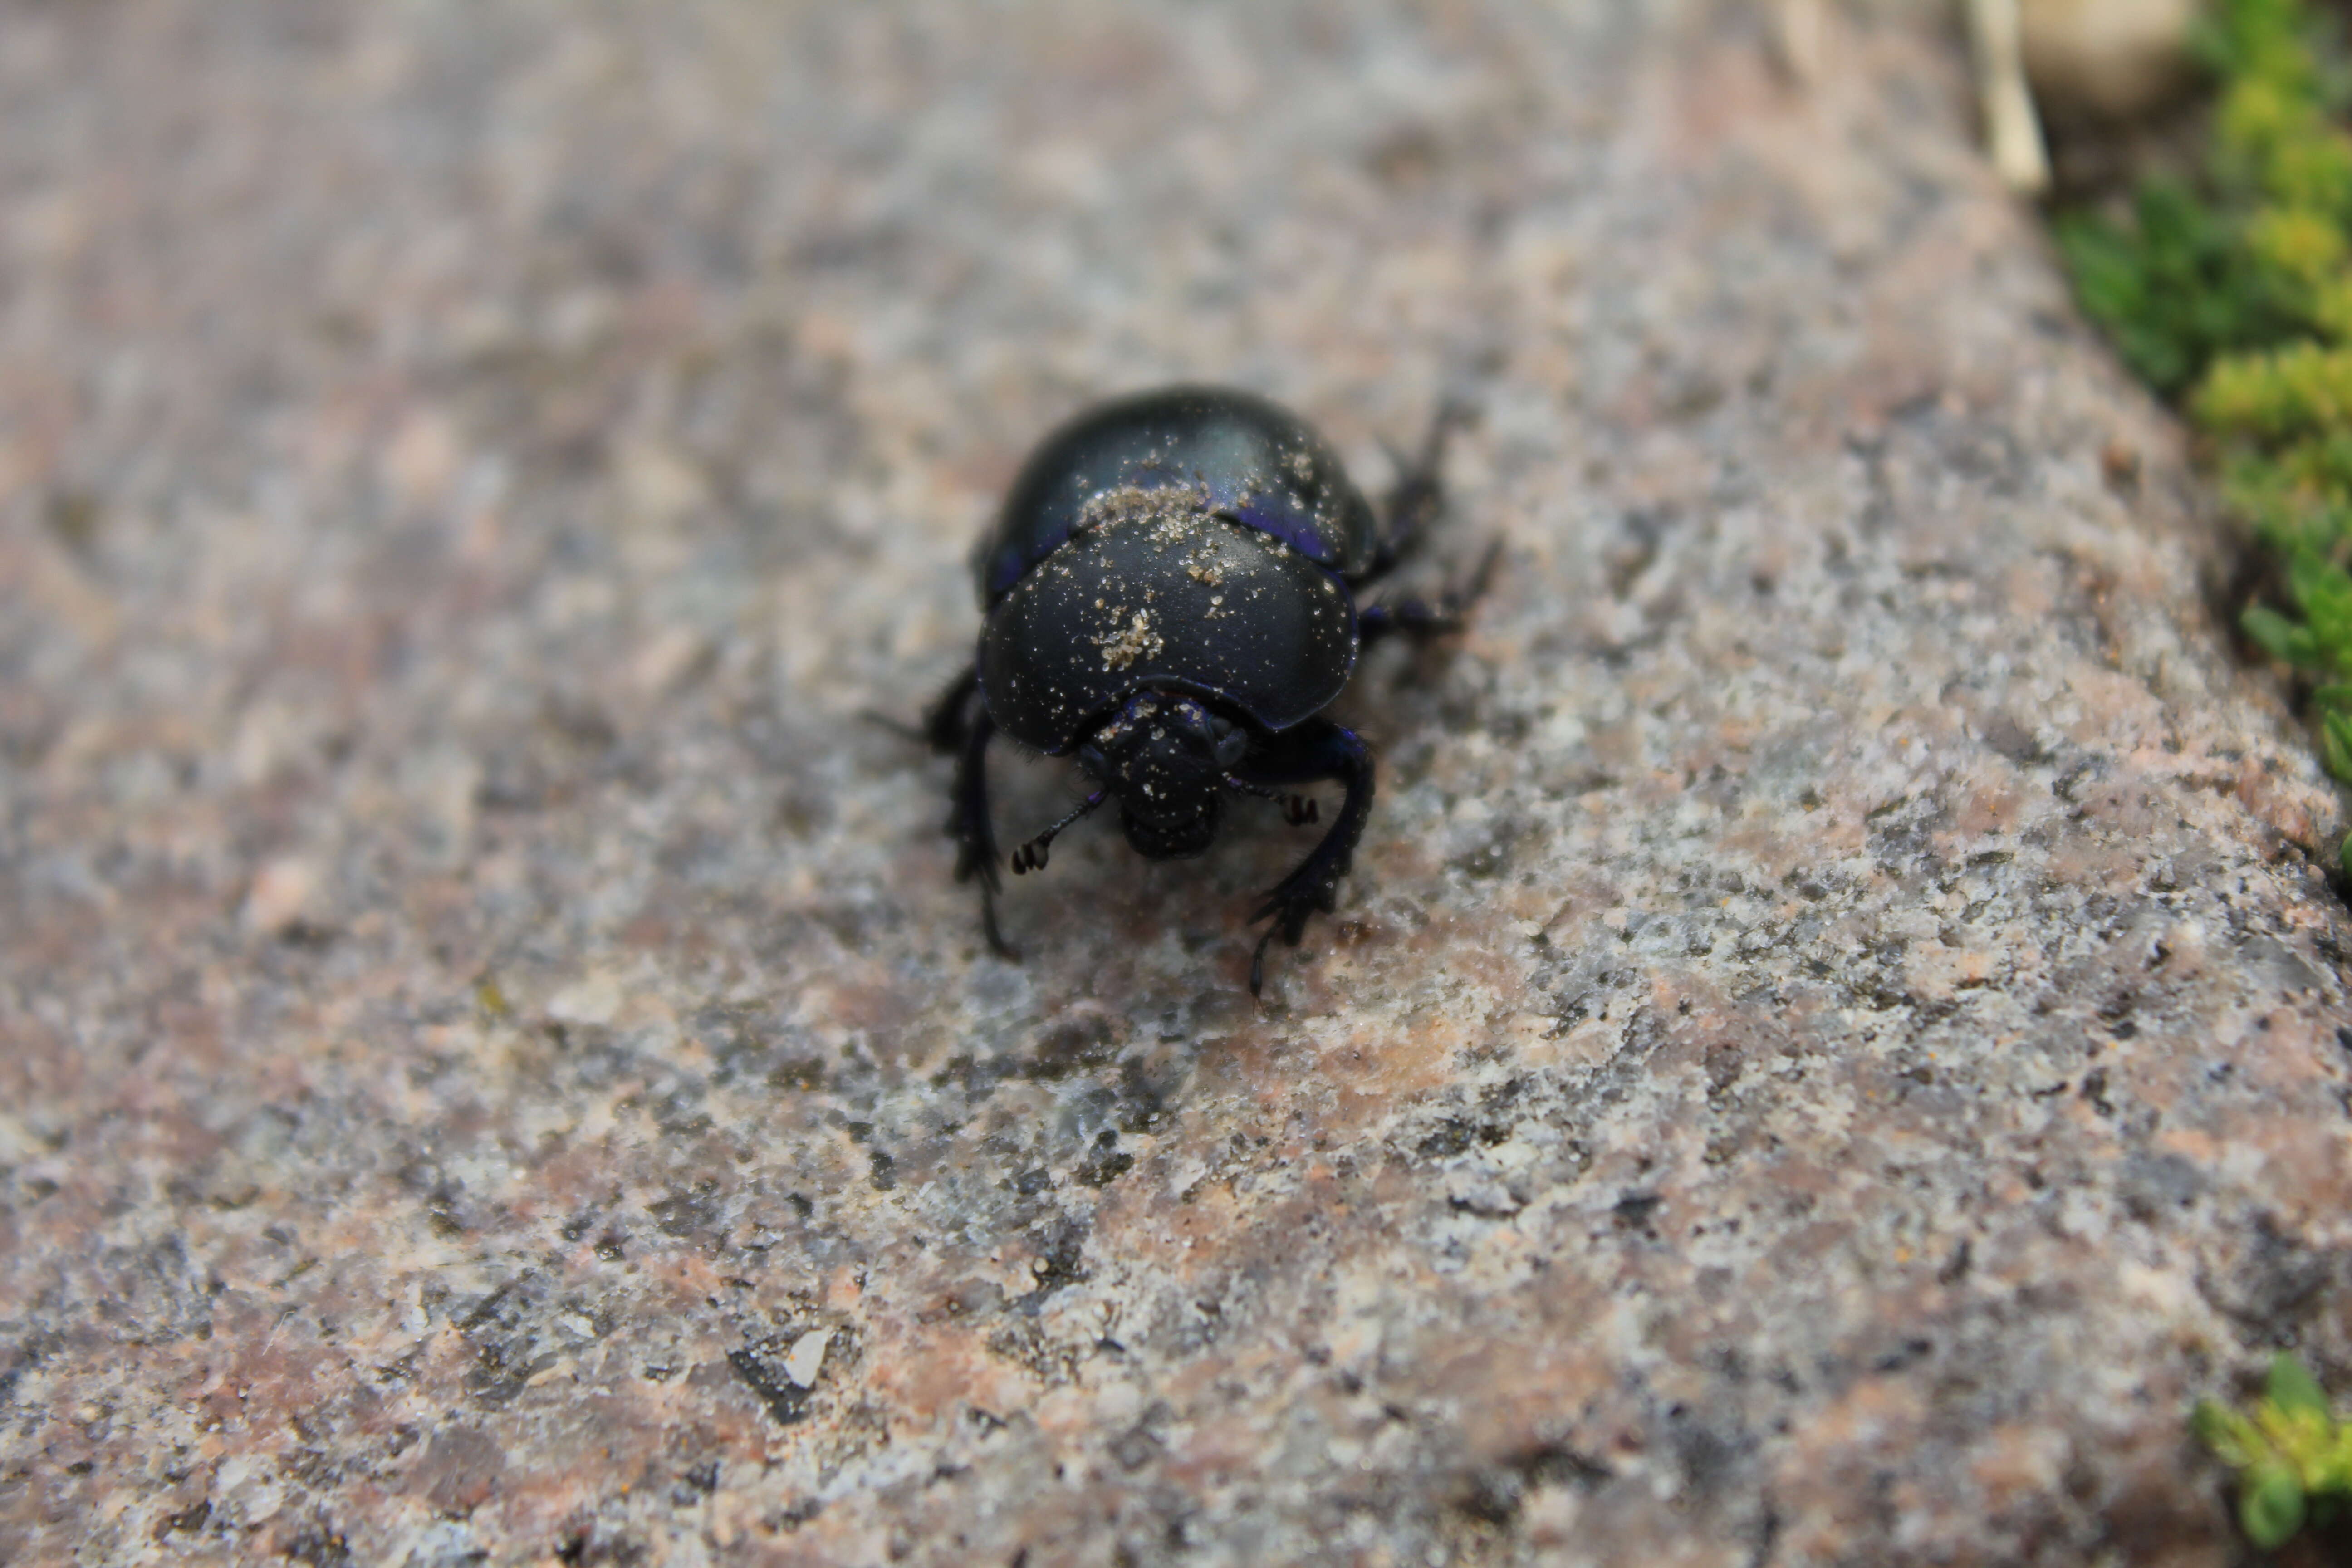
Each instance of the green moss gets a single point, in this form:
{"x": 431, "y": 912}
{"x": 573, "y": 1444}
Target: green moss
{"x": 2176, "y": 287}
{"x": 2294, "y": 1458}
{"x": 2234, "y": 293}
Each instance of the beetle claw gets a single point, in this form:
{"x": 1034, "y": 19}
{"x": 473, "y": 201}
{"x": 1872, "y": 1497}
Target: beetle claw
{"x": 996, "y": 942}
{"x": 1258, "y": 965}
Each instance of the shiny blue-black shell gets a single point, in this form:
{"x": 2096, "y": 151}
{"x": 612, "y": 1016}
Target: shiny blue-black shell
{"x": 1193, "y": 539}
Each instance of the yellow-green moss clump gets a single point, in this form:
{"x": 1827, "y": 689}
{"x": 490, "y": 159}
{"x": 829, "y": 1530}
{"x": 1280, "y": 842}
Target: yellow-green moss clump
{"x": 2294, "y": 1458}
{"x": 2234, "y": 293}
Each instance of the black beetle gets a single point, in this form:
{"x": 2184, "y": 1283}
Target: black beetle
{"x": 1170, "y": 595}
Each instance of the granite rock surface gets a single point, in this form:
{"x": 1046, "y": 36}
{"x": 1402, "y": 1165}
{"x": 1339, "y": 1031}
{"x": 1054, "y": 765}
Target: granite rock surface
{"x": 1837, "y": 1034}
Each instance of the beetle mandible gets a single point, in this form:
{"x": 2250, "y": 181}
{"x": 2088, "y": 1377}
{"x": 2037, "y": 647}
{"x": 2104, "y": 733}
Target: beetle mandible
{"x": 1169, "y": 596}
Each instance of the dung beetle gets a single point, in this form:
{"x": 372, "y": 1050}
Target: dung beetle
{"x": 1170, "y": 599}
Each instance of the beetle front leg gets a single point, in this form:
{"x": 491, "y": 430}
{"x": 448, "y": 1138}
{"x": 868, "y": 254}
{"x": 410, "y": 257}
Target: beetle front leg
{"x": 1423, "y": 618}
{"x": 943, "y": 726}
{"x": 968, "y": 825}
{"x": 1317, "y": 749}
{"x": 1418, "y": 498}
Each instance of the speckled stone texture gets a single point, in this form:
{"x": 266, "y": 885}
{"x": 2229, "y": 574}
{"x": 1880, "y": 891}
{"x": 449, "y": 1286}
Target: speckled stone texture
{"x": 1833, "y": 1041}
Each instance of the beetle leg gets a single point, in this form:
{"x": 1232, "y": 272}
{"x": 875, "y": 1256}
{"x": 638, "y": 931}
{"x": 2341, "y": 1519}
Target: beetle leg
{"x": 941, "y": 726}
{"x": 943, "y": 721}
{"x": 968, "y": 825}
{"x": 1423, "y": 618}
{"x": 1419, "y": 494}
{"x": 1317, "y": 749}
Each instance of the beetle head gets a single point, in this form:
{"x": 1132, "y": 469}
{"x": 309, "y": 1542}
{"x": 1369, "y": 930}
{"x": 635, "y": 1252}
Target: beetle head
{"x": 1165, "y": 757}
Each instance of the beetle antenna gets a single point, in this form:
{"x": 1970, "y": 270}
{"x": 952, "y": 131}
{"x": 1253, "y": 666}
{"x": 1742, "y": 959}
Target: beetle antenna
{"x": 1031, "y": 856}
{"x": 1298, "y": 810}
